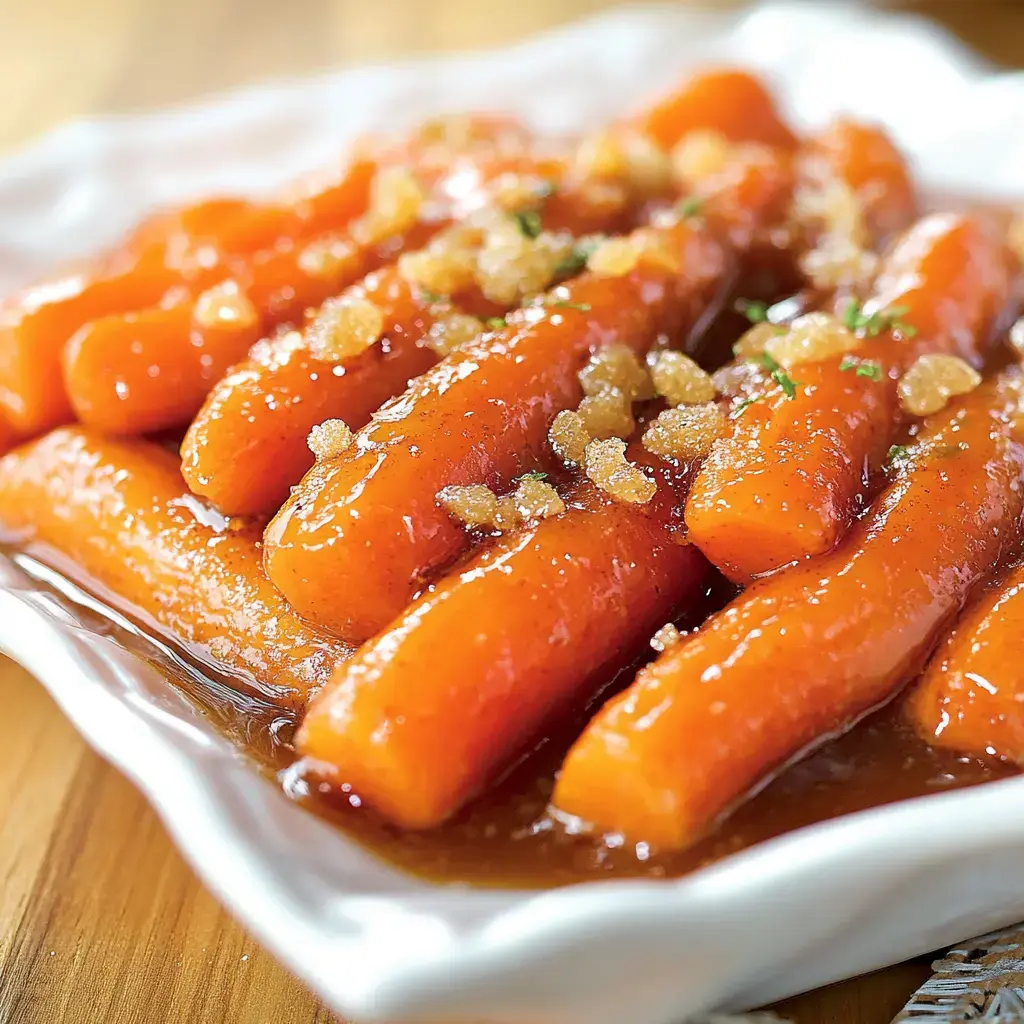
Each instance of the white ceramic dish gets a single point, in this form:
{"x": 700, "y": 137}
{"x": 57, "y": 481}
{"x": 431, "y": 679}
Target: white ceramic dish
{"x": 817, "y": 905}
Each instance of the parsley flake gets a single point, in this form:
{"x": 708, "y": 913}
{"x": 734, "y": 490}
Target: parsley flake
{"x": 434, "y": 298}
{"x": 583, "y": 307}
{"x": 495, "y": 323}
{"x": 755, "y": 312}
{"x": 897, "y": 453}
{"x": 535, "y": 475}
{"x": 741, "y": 407}
{"x": 779, "y": 375}
{"x": 868, "y": 368}
{"x": 529, "y": 222}
{"x": 873, "y": 324}
{"x": 691, "y": 206}
{"x": 577, "y": 258}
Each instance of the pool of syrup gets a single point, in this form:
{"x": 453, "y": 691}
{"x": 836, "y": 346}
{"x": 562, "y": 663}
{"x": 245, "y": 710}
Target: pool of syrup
{"x": 506, "y": 838}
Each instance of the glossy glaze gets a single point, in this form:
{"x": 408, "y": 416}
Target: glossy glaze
{"x": 119, "y": 513}
{"x": 801, "y": 655}
{"x": 971, "y": 696}
{"x": 502, "y": 649}
{"x": 793, "y": 474}
{"x": 362, "y": 532}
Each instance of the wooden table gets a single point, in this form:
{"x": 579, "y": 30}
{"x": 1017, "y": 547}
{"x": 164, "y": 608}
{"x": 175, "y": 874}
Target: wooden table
{"x": 100, "y": 919}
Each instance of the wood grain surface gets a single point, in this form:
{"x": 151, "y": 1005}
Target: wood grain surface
{"x": 100, "y": 919}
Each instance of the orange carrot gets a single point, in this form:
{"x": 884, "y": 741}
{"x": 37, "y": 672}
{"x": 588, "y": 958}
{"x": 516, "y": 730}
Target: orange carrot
{"x": 789, "y": 480}
{"x": 247, "y": 445}
{"x": 802, "y": 655}
{"x": 733, "y": 103}
{"x": 7, "y": 436}
{"x": 971, "y": 696}
{"x": 362, "y": 531}
{"x": 527, "y": 624}
{"x": 121, "y": 514}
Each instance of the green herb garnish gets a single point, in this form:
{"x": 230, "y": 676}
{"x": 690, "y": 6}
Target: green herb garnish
{"x": 583, "y": 307}
{"x": 535, "y": 475}
{"x": 869, "y": 368}
{"x": 755, "y": 312}
{"x": 529, "y": 222}
{"x": 897, "y": 453}
{"x": 577, "y": 258}
{"x": 691, "y": 206}
{"x": 779, "y": 375}
{"x": 741, "y": 407}
{"x": 872, "y": 324}
{"x": 434, "y": 298}
{"x": 495, "y": 323}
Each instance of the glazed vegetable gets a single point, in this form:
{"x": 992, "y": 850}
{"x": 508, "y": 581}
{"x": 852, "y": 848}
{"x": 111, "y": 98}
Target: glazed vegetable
{"x": 362, "y": 531}
{"x": 971, "y": 696}
{"x": 526, "y": 627}
{"x": 247, "y": 445}
{"x": 789, "y": 480}
{"x": 801, "y": 656}
{"x": 119, "y": 513}
{"x": 7, "y": 436}
{"x": 728, "y": 101}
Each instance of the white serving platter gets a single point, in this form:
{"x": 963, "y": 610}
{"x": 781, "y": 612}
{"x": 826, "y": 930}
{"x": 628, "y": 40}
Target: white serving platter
{"x": 817, "y": 905}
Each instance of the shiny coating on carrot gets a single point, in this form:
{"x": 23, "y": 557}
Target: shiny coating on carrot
{"x": 788, "y": 481}
{"x": 120, "y": 512}
{"x": 725, "y": 100}
{"x": 802, "y": 655}
{"x": 526, "y": 627}
{"x": 971, "y": 696}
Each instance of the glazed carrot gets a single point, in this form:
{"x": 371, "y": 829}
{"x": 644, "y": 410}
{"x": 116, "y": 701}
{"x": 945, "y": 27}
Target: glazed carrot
{"x": 971, "y": 696}
{"x": 35, "y": 325}
{"x": 526, "y": 625}
{"x": 865, "y": 159}
{"x": 802, "y": 655}
{"x": 788, "y": 481}
{"x": 733, "y": 103}
{"x": 7, "y": 436}
{"x": 362, "y": 531}
{"x": 247, "y": 445}
{"x": 120, "y": 512}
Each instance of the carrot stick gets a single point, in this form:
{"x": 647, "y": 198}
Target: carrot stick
{"x": 527, "y": 624}
{"x": 802, "y": 655}
{"x": 362, "y": 531}
{"x": 788, "y": 481}
{"x": 120, "y": 513}
{"x": 971, "y": 696}
{"x": 247, "y": 445}
{"x": 733, "y": 103}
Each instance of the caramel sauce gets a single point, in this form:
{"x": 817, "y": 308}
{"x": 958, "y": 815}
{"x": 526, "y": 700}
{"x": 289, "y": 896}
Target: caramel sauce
{"x": 506, "y": 838}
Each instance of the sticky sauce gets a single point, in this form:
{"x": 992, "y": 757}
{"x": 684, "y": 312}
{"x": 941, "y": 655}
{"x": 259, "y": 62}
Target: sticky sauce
{"x": 506, "y": 838}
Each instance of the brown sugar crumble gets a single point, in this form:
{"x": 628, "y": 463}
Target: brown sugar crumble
{"x": 569, "y": 437}
{"x": 477, "y": 505}
{"x": 930, "y": 383}
{"x": 679, "y": 380}
{"x": 329, "y": 439}
{"x": 686, "y": 432}
{"x": 666, "y": 637}
{"x": 344, "y": 327}
{"x": 608, "y": 469}
{"x": 811, "y": 338}
{"x": 225, "y": 305}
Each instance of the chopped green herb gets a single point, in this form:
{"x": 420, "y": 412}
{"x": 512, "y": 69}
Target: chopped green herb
{"x": 691, "y": 206}
{"x": 536, "y": 475}
{"x": 529, "y": 222}
{"x": 495, "y": 323}
{"x": 947, "y": 451}
{"x": 870, "y": 370}
{"x": 898, "y": 453}
{"x": 779, "y": 375}
{"x": 848, "y": 363}
{"x": 434, "y": 298}
{"x": 755, "y": 312}
{"x": 872, "y": 324}
{"x": 577, "y": 259}
{"x": 741, "y": 407}
{"x": 583, "y": 307}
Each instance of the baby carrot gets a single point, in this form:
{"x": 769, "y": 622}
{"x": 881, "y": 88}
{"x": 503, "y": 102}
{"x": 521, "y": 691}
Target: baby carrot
{"x": 971, "y": 696}
{"x": 730, "y": 102}
{"x": 121, "y": 514}
{"x": 362, "y": 531}
{"x": 788, "y": 481}
{"x": 527, "y": 624}
{"x": 803, "y": 654}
